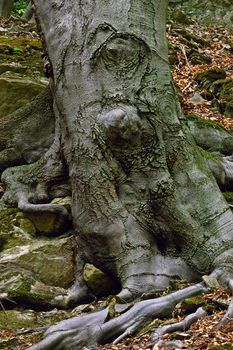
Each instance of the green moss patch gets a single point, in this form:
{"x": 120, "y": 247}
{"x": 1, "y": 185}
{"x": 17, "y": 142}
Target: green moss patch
{"x": 205, "y": 123}
{"x": 22, "y": 50}
{"x": 229, "y": 197}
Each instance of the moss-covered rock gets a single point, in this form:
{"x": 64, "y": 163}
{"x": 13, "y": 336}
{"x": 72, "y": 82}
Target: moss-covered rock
{"x": 199, "y": 58}
{"x": 191, "y": 304}
{"x": 21, "y": 50}
{"x": 18, "y": 144}
{"x": 190, "y": 39}
{"x": 222, "y": 88}
{"x": 49, "y": 261}
{"x": 98, "y": 281}
{"x": 229, "y": 197}
{"x": 15, "y": 320}
{"x": 207, "y": 77}
{"x": 33, "y": 269}
{"x": 222, "y": 347}
{"x": 229, "y": 109}
{"x": 219, "y": 12}
{"x": 17, "y": 90}
{"x": 44, "y": 223}
{"x": 210, "y": 135}
{"x": 179, "y": 16}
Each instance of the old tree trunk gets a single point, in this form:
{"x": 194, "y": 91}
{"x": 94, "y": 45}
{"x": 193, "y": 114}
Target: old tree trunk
{"x": 145, "y": 207}
{"x": 6, "y": 7}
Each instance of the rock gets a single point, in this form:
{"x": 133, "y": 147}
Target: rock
{"x": 206, "y": 78}
{"x": 229, "y": 109}
{"x": 16, "y": 91}
{"x": 12, "y": 67}
{"x": 99, "y": 283}
{"x": 33, "y": 269}
{"x": 211, "y": 136}
{"x": 199, "y": 58}
{"x": 64, "y": 201}
{"x": 49, "y": 261}
{"x": 45, "y": 223}
{"x": 206, "y": 12}
{"x": 181, "y": 17}
{"x": 18, "y": 144}
{"x": 190, "y": 305}
{"x": 197, "y": 99}
{"x": 216, "y": 146}
{"x": 15, "y": 320}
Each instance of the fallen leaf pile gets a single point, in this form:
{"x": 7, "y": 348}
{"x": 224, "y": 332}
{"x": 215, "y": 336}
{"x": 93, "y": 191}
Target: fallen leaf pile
{"x": 201, "y": 336}
{"x": 184, "y": 71}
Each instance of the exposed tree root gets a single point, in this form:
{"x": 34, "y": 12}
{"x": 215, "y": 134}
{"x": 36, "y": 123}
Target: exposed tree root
{"x": 62, "y": 212}
{"x": 229, "y": 314}
{"x": 93, "y": 329}
{"x": 184, "y": 325}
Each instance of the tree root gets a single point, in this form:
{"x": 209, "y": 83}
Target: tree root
{"x": 62, "y": 213}
{"x": 92, "y": 329}
{"x": 229, "y": 314}
{"x": 184, "y": 325}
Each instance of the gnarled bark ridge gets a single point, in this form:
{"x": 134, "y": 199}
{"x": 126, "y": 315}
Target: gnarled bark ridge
{"x": 145, "y": 208}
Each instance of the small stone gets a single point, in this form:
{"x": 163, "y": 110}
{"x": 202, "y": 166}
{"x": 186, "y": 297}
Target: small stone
{"x": 197, "y": 99}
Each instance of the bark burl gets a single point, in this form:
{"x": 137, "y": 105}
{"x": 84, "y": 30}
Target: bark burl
{"x": 145, "y": 207}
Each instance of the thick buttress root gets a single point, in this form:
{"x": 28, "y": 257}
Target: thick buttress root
{"x": 93, "y": 329}
{"x": 28, "y": 186}
{"x": 62, "y": 213}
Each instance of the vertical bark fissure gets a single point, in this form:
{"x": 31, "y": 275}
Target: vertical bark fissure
{"x": 136, "y": 179}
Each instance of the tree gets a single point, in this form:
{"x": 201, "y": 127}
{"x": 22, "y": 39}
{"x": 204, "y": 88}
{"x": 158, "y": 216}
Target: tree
{"x": 6, "y": 7}
{"x": 145, "y": 207}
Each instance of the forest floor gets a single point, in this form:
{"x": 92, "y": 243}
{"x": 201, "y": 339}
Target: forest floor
{"x": 202, "y": 334}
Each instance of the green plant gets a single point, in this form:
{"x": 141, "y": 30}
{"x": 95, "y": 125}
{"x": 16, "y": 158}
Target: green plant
{"x": 19, "y": 7}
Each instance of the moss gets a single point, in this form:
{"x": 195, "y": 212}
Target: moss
{"x": 22, "y": 50}
{"x": 215, "y": 157}
{"x": 222, "y": 88}
{"x": 198, "y": 58}
{"x": 191, "y": 304}
{"x": 27, "y": 226}
{"x": 14, "y": 320}
{"x": 229, "y": 109}
{"x": 6, "y": 218}
{"x": 208, "y": 76}
{"x": 205, "y": 123}
{"x": 191, "y": 39}
{"x": 222, "y": 347}
{"x": 229, "y": 197}
{"x": 97, "y": 280}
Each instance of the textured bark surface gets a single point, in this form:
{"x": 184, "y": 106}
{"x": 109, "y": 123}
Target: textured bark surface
{"x": 145, "y": 206}
{"x": 6, "y": 7}
{"x": 142, "y": 197}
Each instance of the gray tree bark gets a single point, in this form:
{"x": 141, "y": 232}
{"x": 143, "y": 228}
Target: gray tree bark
{"x": 28, "y": 14}
{"x": 6, "y": 7}
{"x": 145, "y": 207}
